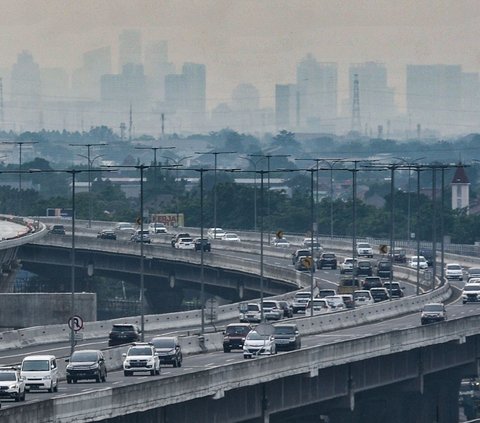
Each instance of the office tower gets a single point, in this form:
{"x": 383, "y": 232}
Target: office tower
{"x": 175, "y": 93}
{"x": 195, "y": 87}
{"x": 285, "y": 106}
{"x": 26, "y": 92}
{"x": 86, "y": 80}
{"x": 157, "y": 68}
{"x": 129, "y": 87}
{"x": 376, "y": 97}
{"x": 470, "y": 101}
{"x": 245, "y": 105}
{"x": 129, "y": 48}
{"x": 434, "y": 96}
{"x": 317, "y": 94}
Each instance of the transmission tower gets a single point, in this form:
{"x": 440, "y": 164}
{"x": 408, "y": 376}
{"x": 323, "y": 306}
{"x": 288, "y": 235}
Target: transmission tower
{"x": 356, "y": 124}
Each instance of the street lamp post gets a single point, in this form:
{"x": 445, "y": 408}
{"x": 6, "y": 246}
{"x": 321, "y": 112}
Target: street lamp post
{"x": 178, "y": 164}
{"x": 215, "y": 154}
{"x": 254, "y": 163}
{"x": 89, "y": 162}
{"x": 155, "y": 149}
{"x": 20, "y": 144}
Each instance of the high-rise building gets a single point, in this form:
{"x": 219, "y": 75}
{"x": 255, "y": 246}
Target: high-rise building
{"x": 245, "y": 106}
{"x": 55, "y": 84}
{"x": 129, "y": 48}
{"x": 157, "y": 67}
{"x": 434, "y": 96}
{"x": 286, "y": 106}
{"x": 175, "y": 93}
{"x": 86, "y": 80}
{"x": 26, "y": 92}
{"x": 195, "y": 87}
{"x": 376, "y": 98}
{"x": 317, "y": 95}
{"x": 470, "y": 101}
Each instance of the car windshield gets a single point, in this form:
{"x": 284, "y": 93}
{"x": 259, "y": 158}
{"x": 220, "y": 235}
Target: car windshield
{"x": 474, "y": 271}
{"x": 140, "y": 351}
{"x": 453, "y": 267}
{"x": 284, "y": 330}
{"x": 303, "y": 295}
{"x": 384, "y": 265}
{"x": 122, "y": 329}
{"x": 320, "y": 303}
{"x": 163, "y": 342}
{"x": 364, "y": 264}
{"x": 363, "y": 245}
{"x": 4, "y": 376}
{"x": 361, "y": 295}
{"x": 253, "y": 307}
{"x": 471, "y": 288}
{"x": 35, "y": 365}
{"x": 269, "y": 304}
{"x": 185, "y": 240}
{"x": 84, "y": 356}
{"x": 433, "y": 307}
{"x": 328, "y": 256}
{"x": 255, "y": 336}
{"x": 237, "y": 330}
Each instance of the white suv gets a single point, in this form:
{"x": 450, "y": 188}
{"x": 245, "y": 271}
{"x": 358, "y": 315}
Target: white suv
{"x": 11, "y": 384}
{"x": 454, "y": 271}
{"x": 141, "y": 357}
{"x": 471, "y": 293}
{"x": 215, "y": 233}
{"x": 364, "y": 250}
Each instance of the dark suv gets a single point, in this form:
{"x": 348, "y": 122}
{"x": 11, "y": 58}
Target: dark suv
{"x": 168, "y": 350}
{"x": 176, "y": 237}
{"x": 327, "y": 260}
{"x": 123, "y": 333}
{"x": 205, "y": 242}
{"x": 234, "y": 336}
{"x": 364, "y": 268}
{"x": 58, "y": 230}
{"x": 394, "y": 289}
{"x": 86, "y": 364}
{"x": 372, "y": 282}
{"x": 287, "y": 337}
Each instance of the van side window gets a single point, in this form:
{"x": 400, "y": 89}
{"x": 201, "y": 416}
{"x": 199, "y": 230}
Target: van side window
{"x": 54, "y": 364}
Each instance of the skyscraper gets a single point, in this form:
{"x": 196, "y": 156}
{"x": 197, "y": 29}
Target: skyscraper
{"x": 377, "y": 103}
{"x": 157, "y": 68}
{"x": 285, "y": 106}
{"x": 86, "y": 80}
{"x": 434, "y": 96}
{"x": 129, "y": 48}
{"x": 26, "y": 92}
{"x": 317, "y": 94}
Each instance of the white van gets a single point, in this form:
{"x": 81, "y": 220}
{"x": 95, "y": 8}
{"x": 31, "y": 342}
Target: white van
{"x": 40, "y": 372}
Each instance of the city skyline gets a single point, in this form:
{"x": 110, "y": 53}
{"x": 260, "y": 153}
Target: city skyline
{"x": 246, "y": 42}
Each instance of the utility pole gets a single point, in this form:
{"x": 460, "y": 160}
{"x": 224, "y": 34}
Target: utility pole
{"x": 123, "y": 129}
{"x": 130, "y": 124}
{"x": 163, "y": 125}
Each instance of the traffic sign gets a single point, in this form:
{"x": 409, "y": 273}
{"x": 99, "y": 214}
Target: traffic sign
{"x": 308, "y": 262}
{"x": 75, "y": 323}
{"x": 280, "y": 234}
{"x": 383, "y": 249}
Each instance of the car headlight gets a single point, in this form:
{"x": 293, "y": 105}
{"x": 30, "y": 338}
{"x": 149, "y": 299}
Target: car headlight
{"x": 46, "y": 377}
{"x": 14, "y": 386}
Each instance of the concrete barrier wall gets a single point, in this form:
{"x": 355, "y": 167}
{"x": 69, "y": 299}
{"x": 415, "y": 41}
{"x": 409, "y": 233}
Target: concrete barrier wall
{"x": 214, "y": 382}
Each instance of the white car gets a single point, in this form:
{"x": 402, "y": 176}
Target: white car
{"x": 362, "y": 297}
{"x": 471, "y": 292}
{"x": 251, "y": 313}
{"x": 185, "y": 244}
{"x": 124, "y": 227}
{"x": 40, "y": 372}
{"x": 320, "y": 306}
{"x": 12, "y": 385}
{"x": 419, "y": 261}
{"x": 141, "y": 357}
{"x": 157, "y": 228}
{"x": 215, "y": 233}
{"x": 335, "y": 302}
{"x": 454, "y": 271}
{"x": 347, "y": 265}
{"x": 256, "y": 344}
{"x": 230, "y": 236}
{"x": 272, "y": 310}
{"x": 281, "y": 243}
{"x": 364, "y": 250}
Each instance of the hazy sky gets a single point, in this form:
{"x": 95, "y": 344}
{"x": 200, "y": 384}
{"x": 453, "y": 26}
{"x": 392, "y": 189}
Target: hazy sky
{"x": 256, "y": 41}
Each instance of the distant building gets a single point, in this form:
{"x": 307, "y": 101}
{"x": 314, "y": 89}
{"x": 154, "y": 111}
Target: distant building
{"x": 129, "y": 48}
{"x": 317, "y": 95}
{"x": 434, "y": 96}
{"x": 157, "y": 67}
{"x": 26, "y": 93}
{"x": 286, "y": 106}
{"x": 460, "y": 189}
{"x": 377, "y": 103}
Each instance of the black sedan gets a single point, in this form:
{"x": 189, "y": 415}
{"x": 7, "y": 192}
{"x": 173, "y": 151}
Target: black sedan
{"x": 107, "y": 234}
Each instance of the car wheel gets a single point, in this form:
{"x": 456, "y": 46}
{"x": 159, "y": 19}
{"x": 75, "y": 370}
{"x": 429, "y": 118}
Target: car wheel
{"x": 104, "y": 377}
{"x": 69, "y": 381}
{"x": 175, "y": 363}
{"x": 23, "y": 396}
{"x": 74, "y": 380}
{"x": 17, "y": 397}
{"x": 180, "y": 363}
{"x": 51, "y": 388}
{"x": 98, "y": 378}
{"x": 152, "y": 372}
{"x": 55, "y": 389}
{"x": 127, "y": 373}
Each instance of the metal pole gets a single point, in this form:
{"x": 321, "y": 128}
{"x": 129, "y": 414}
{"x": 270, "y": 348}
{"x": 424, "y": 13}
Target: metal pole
{"x": 442, "y": 228}
{"x": 20, "y": 180}
{"x": 354, "y": 223}
{"x": 142, "y": 287}
{"x": 408, "y": 205}
{"x": 392, "y": 222}
{"x": 202, "y": 283}
{"x": 261, "y": 245}
{"x": 72, "y": 281}
{"x": 89, "y": 188}
{"x": 215, "y": 197}
{"x": 418, "y": 229}
{"x": 268, "y": 200}
{"x": 312, "y": 267}
{"x": 331, "y": 202}
{"x": 434, "y": 225}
